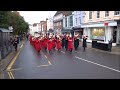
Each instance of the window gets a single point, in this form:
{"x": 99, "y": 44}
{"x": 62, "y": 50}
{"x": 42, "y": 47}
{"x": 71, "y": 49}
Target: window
{"x": 71, "y": 20}
{"x": 98, "y": 14}
{"x": 80, "y": 20}
{"x": 90, "y": 14}
{"x": 66, "y": 22}
{"x": 76, "y": 20}
{"x": 106, "y": 13}
{"x": 116, "y": 12}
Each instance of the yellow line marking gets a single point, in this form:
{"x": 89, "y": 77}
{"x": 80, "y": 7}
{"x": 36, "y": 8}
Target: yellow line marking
{"x": 14, "y": 69}
{"x": 9, "y": 75}
{"x": 21, "y": 46}
{"x": 13, "y": 61}
{"x": 42, "y": 65}
{"x": 12, "y": 75}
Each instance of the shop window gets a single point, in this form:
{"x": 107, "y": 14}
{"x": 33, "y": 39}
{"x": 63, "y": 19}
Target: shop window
{"x": 98, "y": 33}
{"x": 106, "y": 13}
{"x": 98, "y": 14}
{"x": 90, "y": 14}
{"x": 66, "y": 22}
{"x": 71, "y": 20}
{"x": 80, "y": 20}
{"x": 116, "y": 12}
{"x": 76, "y": 20}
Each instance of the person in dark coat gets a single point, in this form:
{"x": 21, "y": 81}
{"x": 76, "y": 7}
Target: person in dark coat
{"x": 84, "y": 42}
{"x": 110, "y": 45}
{"x": 15, "y": 43}
{"x": 63, "y": 41}
{"x": 66, "y": 43}
{"x": 76, "y": 42}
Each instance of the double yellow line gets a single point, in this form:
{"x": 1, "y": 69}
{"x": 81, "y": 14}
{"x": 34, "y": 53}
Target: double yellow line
{"x": 11, "y": 64}
{"x": 10, "y": 75}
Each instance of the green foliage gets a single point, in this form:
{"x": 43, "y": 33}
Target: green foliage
{"x": 8, "y": 18}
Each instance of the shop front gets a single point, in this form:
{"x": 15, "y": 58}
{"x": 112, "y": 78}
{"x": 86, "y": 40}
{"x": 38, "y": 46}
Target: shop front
{"x": 79, "y": 31}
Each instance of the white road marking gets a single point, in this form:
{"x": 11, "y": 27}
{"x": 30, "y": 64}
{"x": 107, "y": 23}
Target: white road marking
{"x": 97, "y": 64}
{"x": 49, "y": 63}
{"x": 42, "y": 65}
{"x": 62, "y": 52}
{"x": 14, "y": 69}
{"x": 21, "y": 46}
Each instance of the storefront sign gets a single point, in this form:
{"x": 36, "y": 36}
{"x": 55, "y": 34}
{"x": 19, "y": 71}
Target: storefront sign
{"x": 106, "y": 24}
{"x": 99, "y": 37}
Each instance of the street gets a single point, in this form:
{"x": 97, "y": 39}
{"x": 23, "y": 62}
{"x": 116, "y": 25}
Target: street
{"x": 89, "y": 64}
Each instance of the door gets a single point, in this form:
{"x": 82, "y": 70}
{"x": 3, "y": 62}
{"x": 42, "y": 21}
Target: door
{"x": 114, "y": 34}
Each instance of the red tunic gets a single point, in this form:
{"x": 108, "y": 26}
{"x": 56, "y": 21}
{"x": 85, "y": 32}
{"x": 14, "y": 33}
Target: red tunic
{"x": 70, "y": 44}
{"x": 58, "y": 44}
{"x": 45, "y": 43}
{"x": 49, "y": 45}
{"x": 37, "y": 45}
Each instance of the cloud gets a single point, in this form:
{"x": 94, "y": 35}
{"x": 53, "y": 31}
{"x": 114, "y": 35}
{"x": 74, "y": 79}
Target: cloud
{"x": 36, "y": 16}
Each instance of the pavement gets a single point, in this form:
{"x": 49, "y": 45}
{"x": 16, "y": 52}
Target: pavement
{"x": 89, "y": 64}
{"x": 4, "y": 62}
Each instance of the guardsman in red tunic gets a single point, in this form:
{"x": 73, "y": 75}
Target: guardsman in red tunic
{"x": 53, "y": 42}
{"x": 37, "y": 45}
{"x": 49, "y": 44}
{"x": 70, "y": 44}
{"x": 58, "y": 44}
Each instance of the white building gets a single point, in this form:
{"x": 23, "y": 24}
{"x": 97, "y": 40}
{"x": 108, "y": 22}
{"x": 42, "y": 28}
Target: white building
{"x": 78, "y": 20}
{"x": 67, "y": 22}
{"x": 50, "y": 23}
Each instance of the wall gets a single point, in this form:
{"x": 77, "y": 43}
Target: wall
{"x": 102, "y": 16}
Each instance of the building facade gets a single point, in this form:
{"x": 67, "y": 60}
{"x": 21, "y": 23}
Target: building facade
{"x": 102, "y": 25}
{"x": 67, "y": 22}
{"x": 50, "y": 24}
{"x": 78, "y": 20}
{"x": 58, "y": 22}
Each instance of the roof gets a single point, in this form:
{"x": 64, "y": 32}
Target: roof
{"x": 4, "y": 30}
{"x": 66, "y": 13}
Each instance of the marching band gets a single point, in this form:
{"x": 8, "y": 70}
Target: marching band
{"x": 54, "y": 41}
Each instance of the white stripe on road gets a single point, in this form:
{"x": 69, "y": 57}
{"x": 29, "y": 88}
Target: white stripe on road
{"x": 42, "y": 65}
{"x": 97, "y": 64}
{"x": 21, "y": 46}
{"x": 62, "y": 52}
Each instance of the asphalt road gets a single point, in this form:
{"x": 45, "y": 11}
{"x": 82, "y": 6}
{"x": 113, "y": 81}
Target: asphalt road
{"x": 90, "y": 64}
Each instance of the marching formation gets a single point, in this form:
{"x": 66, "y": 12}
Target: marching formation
{"x": 52, "y": 41}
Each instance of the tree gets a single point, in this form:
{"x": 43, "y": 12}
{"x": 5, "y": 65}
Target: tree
{"x": 8, "y": 18}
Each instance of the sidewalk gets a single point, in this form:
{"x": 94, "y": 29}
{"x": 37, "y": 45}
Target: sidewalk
{"x": 115, "y": 49}
{"x": 7, "y": 60}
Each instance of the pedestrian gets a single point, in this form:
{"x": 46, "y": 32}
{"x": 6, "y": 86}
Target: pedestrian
{"x": 53, "y": 42}
{"x": 63, "y": 41}
{"x": 27, "y": 35}
{"x": 76, "y": 42}
{"x": 15, "y": 43}
{"x": 66, "y": 42}
{"x": 70, "y": 44}
{"x": 110, "y": 44}
{"x": 45, "y": 42}
{"x": 84, "y": 42}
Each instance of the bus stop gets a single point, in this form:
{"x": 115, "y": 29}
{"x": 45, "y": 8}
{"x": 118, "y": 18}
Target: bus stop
{"x": 5, "y": 43}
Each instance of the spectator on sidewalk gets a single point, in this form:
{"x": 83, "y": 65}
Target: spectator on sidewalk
{"x": 15, "y": 43}
{"x": 110, "y": 44}
{"x": 84, "y": 41}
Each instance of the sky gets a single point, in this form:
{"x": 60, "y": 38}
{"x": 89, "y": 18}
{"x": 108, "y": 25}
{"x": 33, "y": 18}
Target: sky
{"x": 36, "y": 16}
